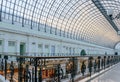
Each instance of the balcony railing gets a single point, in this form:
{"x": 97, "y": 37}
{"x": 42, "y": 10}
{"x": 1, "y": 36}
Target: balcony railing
{"x": 55, "y": 67}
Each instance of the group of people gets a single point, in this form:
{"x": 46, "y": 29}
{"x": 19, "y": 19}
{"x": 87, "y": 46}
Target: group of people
{"x": 91, "y": 65}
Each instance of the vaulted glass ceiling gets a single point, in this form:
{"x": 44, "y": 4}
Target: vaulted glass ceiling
{"x": 113, "y": 7}
{"x": 75, "y": 19}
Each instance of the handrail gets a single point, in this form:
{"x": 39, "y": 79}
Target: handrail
{"x": 52, "y": 56}
{"x": 33, "y": 65}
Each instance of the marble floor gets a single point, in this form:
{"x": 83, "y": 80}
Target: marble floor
{"x": 112, "y": 75}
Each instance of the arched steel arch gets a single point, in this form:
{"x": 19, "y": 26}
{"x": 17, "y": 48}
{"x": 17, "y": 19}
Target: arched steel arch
{"x": 75, "y": 19}
{"x": 55, "y": 14}
{"x": 41, "y": 16}
{"x": 1, "y": 10}
{"x": 60, "y": 16}
{"x": 33, "y": 13}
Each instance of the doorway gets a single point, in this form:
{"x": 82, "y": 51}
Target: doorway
{"x": 22, "y": 48}
{"x": 53, "y": 50}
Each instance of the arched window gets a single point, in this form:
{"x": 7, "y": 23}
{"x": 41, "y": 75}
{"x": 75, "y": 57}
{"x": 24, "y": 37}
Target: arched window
{"x": 83, "y": 52}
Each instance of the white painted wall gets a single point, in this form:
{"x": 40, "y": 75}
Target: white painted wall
{"x": 12, "y": 48}
{"x": 40, "y": 48}
{"x": 33, "y": 38}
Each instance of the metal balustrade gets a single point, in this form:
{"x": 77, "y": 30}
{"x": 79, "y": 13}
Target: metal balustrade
{"x": 39, "y": 68}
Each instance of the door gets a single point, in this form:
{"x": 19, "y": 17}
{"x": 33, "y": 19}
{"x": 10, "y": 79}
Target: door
{"x": 53, "y": 50}
{"x": 22, "y": 48}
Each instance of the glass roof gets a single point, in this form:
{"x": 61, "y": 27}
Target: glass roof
{"x": 113, "y": 7}
{"x": 75, "y": 19}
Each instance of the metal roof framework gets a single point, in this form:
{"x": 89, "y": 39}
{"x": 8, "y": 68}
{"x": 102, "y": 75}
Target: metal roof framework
{"x": 75, "y": 19}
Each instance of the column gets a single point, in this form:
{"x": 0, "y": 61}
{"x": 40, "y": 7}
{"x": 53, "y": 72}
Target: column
{"x": 5, "y": 46}
{"x": 36, "y": 48}
{"x": 18, "y": 47}
{"x": 50, "y": 52}
{"x": 43, "y": 49}
{"x": 28, "y": 46}
{"x": 56, "y": 49}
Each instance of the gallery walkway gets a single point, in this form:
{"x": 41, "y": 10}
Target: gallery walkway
{"x": 112, "y": 75}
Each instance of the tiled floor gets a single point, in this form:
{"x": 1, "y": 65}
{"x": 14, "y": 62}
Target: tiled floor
{"x": 112, "y": 75}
